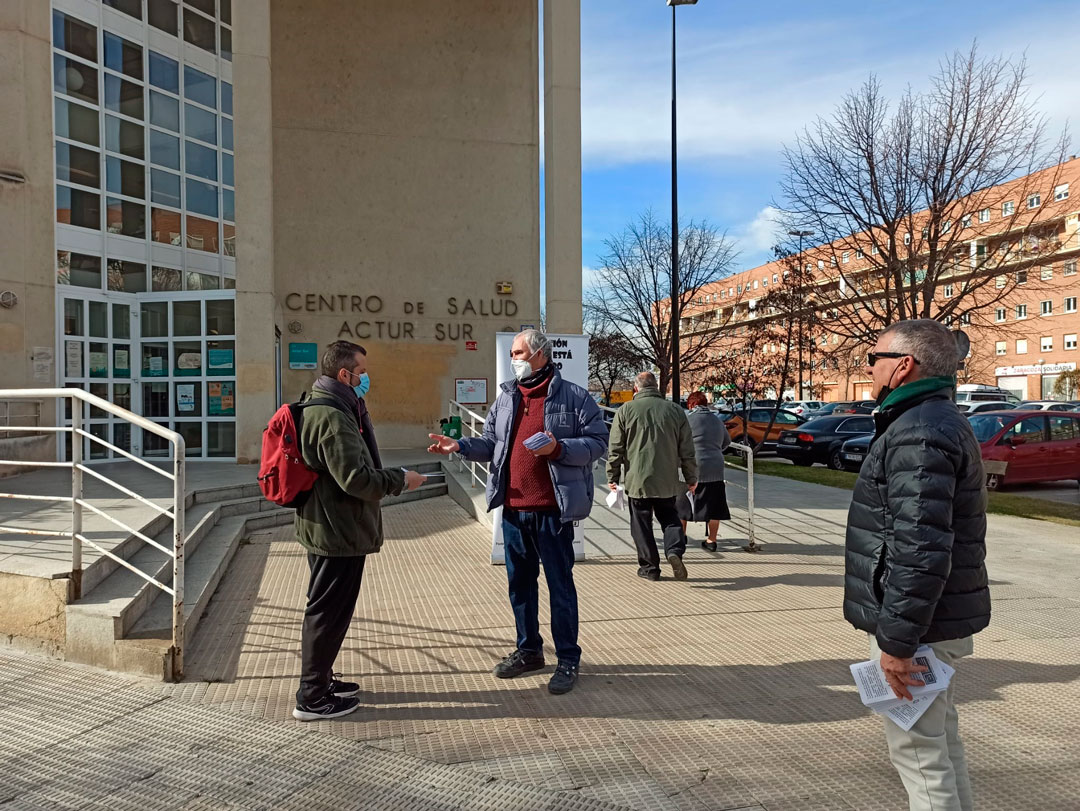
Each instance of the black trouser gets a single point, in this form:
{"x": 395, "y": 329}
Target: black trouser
{"x": 641, "y": 530}
{"x": 331, "y": 600}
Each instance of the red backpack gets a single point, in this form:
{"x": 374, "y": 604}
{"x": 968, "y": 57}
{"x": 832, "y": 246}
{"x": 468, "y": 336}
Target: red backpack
{"x": 283, "y": 477}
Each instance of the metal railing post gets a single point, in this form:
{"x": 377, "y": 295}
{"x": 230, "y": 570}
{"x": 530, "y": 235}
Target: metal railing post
{"x": 178, "y": 560}
{"x": 752, "y": 546}
{"x": 76, "y": 497}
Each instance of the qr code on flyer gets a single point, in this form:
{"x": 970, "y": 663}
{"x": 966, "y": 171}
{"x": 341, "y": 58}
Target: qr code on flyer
{"x": 928, "y": 677}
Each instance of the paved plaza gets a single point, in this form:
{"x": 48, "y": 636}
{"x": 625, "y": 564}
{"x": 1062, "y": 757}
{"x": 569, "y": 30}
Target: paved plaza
{"x": 728, "y": 691}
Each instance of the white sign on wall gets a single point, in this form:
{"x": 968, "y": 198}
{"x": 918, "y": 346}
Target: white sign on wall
{"x": 1035, "y": 369}
{"x": 570, "y": 354}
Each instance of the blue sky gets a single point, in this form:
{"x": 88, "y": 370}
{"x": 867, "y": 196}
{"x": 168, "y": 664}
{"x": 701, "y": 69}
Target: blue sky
{"x": 751, "y": 75}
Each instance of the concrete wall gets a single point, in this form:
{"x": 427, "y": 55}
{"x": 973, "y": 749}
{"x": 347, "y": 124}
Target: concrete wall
{"x": 405, "y": 174}
{"x": 27, "y": 260}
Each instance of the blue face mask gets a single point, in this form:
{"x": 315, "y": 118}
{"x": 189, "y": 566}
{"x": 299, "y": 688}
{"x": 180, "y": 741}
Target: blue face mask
{"x": 363, "y": 386}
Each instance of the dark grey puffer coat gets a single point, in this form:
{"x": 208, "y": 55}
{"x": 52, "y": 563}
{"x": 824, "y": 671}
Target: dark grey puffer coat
{"x": 916, "y": 535}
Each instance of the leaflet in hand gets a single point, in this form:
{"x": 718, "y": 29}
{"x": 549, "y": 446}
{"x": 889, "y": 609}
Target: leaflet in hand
{"x": 616, "y": 499}
{"x": 537, "y": 441}
{"x": 876, "y": 693}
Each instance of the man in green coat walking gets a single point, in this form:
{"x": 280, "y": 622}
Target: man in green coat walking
{"x": 339, "y": 524}
{"x": 651, "y": 440}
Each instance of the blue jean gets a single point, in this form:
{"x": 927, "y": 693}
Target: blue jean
{"x": 531, "y": 538}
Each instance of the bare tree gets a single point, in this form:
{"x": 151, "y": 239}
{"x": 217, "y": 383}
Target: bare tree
{"x": 631, "y": 296}
{"x": 954, "y": 186}
{"x": 612, "y": 361}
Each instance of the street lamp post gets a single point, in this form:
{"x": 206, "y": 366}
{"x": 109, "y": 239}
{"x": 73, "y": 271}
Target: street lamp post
{"x": 675, "y": 314}
{"x": 800, "y": 235}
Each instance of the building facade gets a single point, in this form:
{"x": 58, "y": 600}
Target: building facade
{"x": 198, "y": 196}
{"x": 1020, "y": 311}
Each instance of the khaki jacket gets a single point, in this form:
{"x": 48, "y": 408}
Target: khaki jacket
{"x": 651, "y": 440}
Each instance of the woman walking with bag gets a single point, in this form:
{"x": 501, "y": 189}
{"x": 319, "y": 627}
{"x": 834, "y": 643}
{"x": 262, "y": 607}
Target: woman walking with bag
{"x": 711, "y": 438}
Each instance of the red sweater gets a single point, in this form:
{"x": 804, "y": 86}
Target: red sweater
{"x": 528, "y": 484}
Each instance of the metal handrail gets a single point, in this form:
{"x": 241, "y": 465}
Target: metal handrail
{"x": 748, "y": 452}
{"x": 78, "y": 468}
{"x": 462, "y": 411}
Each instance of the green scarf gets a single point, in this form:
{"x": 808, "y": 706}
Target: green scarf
{"x": 908, "y": 391}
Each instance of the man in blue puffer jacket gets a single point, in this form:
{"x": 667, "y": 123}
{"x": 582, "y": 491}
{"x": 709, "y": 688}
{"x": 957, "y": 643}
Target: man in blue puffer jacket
{"x": 543, "y": 488}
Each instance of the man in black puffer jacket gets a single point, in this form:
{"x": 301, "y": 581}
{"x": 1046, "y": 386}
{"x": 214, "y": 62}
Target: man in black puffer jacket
{"x": 915, "y": 551}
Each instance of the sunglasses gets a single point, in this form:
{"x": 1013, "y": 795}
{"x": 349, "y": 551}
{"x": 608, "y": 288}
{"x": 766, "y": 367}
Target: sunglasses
{"x": 874, "y": 357}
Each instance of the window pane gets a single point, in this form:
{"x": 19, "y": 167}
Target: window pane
{"x": 76, "y": 122}
{"x": 132, "y": 7}
{"x": 227, "y": 169}
{"x": 165, "y": 225}
{"x": 164, "y": 73}
{"x": 122, "y": 391}
{"x": 201, "y": 198}
{"x": 99, "y": 319}
{"x": 228, "y": 239}
{"x": 99, "y": 367}
{"x": 127, "y": 277}
{"x": 122, "y": 368}
{"x": 162, "y": 14}
{"x": 225, "y": 11}
{"x": 154, "y": 445}
{"x": 226, "y": 44}
{"x": 229, "y": 283}
{"x": 190, "y": 431}
{"x": 166, "y": 279}
{"x": 73, "y": 316}
{"x": 74, "y": 79}
{"x": 125, "y": 177}
{"x": 123, "y": 56}
{"x": 74, "y": 36}
{"x": 219, "y": 317}
{"x": 187, "y": 318}
{"x": 121, "y": 322}
{"x": 155, "y": 319}
{"x": 77, "y": 207}
{"x": 164, "y": 112}
{"x": 199, "y": 31}
{"x": 202, "y": 281}
{"x": 221, "y": 398}
{"x": 78, "y": 165}
{"x": 200, "y": 87}
{"x": 126, "y": 218}
{"x": 202, "y": 5}
{"x": 202, "y": 235}
{"x": 187, "y": 358}
{"x": 228, "y": 205}
{"x": 155, "y": 399}
{"x": 164, "y": 149}
{"x": 226, "y": 98}
{"x": 124, "y": 137}
{"x": 226, "y": 133}
{"x": 221, "y": 358}
{"x": 78, "y": 270}
{"x": 165, "y": 188}
{"x": 1064, "y": 428}
{"x": 200, "y": 124}
{"x": 200, "y": 160}
{"x": 123, "y": 97}
{"x": 221, "y": 439}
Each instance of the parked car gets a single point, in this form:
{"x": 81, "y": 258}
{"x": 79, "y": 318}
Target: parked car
{"x": 803, "y": 407}
{"x": 855, "y": 407}
{"x": 749, "y": 427}
{"x": 854, "y": 450}
{"x": 977, "y": 391}
{"x": 1044, "y": 405}
{"x": 819, "y": 439}
{"x": 976, "y": 407}
{"x": 1035, "y": 446}
{"x": 825, "y": 410}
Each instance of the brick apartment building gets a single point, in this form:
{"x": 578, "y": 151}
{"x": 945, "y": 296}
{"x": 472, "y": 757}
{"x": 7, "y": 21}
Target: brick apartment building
{"x": 1023, "y": 322}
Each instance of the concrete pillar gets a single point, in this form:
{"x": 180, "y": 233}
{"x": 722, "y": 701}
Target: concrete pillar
{"x": 562, "y": 163}
{"x": 28, "y": 264}
{"x": 255, "y": 310}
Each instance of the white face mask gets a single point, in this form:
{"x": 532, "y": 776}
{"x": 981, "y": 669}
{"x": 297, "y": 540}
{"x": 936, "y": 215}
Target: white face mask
{"x": 521, "y": 368}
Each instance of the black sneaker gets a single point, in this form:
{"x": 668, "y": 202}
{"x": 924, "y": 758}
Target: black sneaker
{"x": 648, "y": 574}
{"x": 678, "y": 568}
{"x": 343, "y": 689}
{"x": 329, "y": 706}
{"x": 517, "y": 663}
{"x": 564, "y": 679}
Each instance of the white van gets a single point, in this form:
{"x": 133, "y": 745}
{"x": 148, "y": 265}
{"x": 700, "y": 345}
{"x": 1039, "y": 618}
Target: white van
{"x": 975, "y": 392}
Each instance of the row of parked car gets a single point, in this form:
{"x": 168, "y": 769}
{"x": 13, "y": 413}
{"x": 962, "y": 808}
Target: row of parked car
{"x": 1026, "y": 442}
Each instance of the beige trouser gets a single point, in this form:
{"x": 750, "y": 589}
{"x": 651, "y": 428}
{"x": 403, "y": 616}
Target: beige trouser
{"x": 930, "y": 757}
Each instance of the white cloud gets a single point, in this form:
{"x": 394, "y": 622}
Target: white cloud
{"x": 760, "y": 234}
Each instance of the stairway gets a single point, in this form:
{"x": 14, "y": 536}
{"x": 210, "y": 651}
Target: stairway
{"x": 124, "y": 623}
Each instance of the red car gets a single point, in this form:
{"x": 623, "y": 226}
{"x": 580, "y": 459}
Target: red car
{"x": 1035, "y": 446}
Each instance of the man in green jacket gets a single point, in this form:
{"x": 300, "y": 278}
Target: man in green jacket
{"x": 651, "y": 440}
{"x": 339, "y": 524}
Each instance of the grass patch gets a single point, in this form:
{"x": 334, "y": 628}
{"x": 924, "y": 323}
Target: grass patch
{"x": 998, "y": 503}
